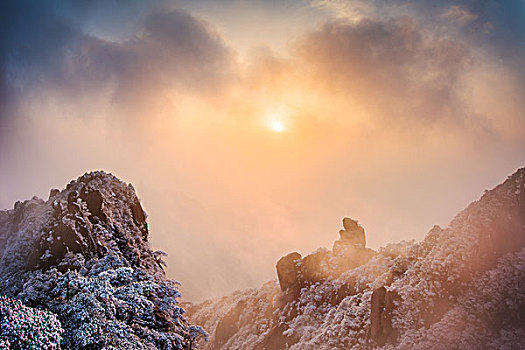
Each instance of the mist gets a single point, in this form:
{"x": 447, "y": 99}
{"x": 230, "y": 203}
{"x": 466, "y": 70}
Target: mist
{"x": 388, "y": 119}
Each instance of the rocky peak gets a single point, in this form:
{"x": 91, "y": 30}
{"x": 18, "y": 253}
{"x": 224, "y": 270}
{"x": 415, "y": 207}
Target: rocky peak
{"x": 295, "y": 272}
{"x": 93, "y": 215}
{"x": 84, "y": 254}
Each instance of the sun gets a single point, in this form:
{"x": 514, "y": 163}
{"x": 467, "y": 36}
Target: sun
{"x": 277, "y": 119}
{"x": 277, "y": 126}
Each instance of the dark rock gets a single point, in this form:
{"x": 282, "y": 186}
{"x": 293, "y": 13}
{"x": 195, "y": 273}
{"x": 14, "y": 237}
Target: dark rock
{"x": 53, "y": 192}
{"x": 382, "y": 306}
{"x": 289, "y": 272}
{"x": 94, "y": 201}
{"x": 345, "y": 290}
{"x": 314, "y": 267}
{"x": 229, "y": 324}
{"x": 139, "y": 217}
{"x": 353, "y": 233}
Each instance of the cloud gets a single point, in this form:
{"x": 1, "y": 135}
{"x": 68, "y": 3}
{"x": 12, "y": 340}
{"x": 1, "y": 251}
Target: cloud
{"x": 459, "y": 15}
{"x": 394, "y": 115}
{"x": 172, "y": 53}
{"x": 393, "y": 67}
{"x": 48, "y": 51}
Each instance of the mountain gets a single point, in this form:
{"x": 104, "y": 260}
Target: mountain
{"x": 78, "y": 272}
{"x": 462, "y": 287}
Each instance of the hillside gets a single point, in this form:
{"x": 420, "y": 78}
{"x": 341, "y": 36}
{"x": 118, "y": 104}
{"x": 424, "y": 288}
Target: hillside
{"x": 79, "y": 273}
{"x": 462, "y": 287}
{"x": 82, "y": 265}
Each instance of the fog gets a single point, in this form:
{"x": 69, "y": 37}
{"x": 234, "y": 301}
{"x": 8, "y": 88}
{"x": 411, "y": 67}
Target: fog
{"x": 388, "y": 118}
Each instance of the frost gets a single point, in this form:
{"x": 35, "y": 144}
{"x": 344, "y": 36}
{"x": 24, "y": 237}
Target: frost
{"x": 24, "y": 328}
{"x": 462, "y": 287}
{"x": 83, "y": 258}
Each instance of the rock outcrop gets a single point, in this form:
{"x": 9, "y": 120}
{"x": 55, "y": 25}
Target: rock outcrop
{"x": 84, "y": 255}
{"x": 462, "y": 287}
{"x": 289, "y": 273}
{"x": 295, "y": 273}
{"x": 352, "y": 234}
{"x": 381, "y": 312}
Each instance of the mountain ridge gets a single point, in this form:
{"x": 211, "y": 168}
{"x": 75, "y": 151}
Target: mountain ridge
{"x": 79, "y": 272}
{"x": 461, "y": 287}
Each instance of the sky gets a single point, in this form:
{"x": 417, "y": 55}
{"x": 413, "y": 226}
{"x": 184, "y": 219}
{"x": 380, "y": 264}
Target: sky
{"x": 251, "y": 128}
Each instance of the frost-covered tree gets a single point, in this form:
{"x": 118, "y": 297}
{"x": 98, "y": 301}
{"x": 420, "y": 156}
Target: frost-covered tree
{"x": 25, "y": 328}
{"x": 462, "y": 287}
{"x": 84, "y": 255}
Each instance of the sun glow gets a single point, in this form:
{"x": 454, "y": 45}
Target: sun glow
{"x": 277, "y": 126}
{"x": 276, "y": 120}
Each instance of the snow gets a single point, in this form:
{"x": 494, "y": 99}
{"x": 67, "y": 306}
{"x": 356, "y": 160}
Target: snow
{"x": 462, "y": 287}
{"x": 86, "y": 274}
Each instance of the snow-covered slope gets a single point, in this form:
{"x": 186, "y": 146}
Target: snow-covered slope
{"x": 84, "y": 255}
{"x": 462, "y": 287}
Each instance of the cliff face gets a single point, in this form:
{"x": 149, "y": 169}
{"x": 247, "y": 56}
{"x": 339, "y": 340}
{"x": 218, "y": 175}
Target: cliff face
{"x": 461, "y": 287}
{"x": 84, "y": 255}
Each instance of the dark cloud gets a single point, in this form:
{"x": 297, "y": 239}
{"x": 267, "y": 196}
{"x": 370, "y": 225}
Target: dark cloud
{"x": 33, "y": 41}
{"x": 393, "y": 65}
{"x": 496, "y": 24}
{"x": 172, "y": 52}
{"x": 73, "y": 50}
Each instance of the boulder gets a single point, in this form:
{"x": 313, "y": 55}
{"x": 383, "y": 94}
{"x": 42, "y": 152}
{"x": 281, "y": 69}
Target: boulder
{"x": 315, "y": 266}
{"x": 289, "y": 272}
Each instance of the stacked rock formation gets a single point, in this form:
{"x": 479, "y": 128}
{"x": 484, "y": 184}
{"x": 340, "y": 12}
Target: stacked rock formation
{"x": 349, "y": 251}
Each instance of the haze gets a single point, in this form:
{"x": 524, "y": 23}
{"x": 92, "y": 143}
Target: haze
{"x": 251, "y": 128}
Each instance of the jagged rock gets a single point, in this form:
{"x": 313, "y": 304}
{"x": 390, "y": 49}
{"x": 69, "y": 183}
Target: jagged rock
{"x": 462, "y": 287}
{"x": 381, "y": 309}
{"x": 289, "y": 272}
{"x": 348, "y": 253}
{"x": 84, "y": 254}
{"x": 53, "y": 192}
{"x": 353, "y": 235}
{"x": 94, "y": 215}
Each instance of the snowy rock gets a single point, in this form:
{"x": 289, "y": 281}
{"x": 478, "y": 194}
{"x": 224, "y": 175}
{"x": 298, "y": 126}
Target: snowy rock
{"x": 295, "y": 273}
{"x": 462, "y": 287}
{"x": 84, "y": 254}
